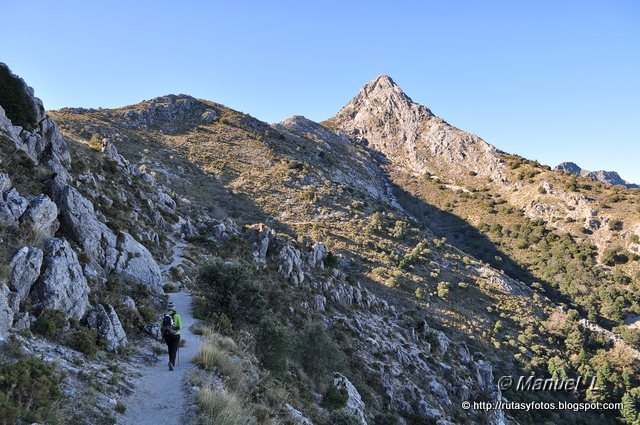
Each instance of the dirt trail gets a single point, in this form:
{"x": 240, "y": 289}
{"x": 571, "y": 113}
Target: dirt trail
{"x": 158, "y": 397}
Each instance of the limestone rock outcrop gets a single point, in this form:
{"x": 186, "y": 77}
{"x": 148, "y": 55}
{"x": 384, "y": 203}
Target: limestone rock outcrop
{"x": 61, "y": 285}
{"x": 25, "y": 269}
{"x": 109, "y": 328}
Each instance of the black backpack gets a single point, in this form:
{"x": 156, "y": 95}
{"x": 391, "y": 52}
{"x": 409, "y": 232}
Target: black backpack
{"x": 167, "y": 325}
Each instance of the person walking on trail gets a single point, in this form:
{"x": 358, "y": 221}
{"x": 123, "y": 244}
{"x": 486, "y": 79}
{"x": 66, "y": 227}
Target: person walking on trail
{"x": 171, "y": 325}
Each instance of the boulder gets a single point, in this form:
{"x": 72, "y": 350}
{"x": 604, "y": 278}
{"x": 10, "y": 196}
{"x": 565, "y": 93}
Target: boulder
{"x": 208, "y": 116}
{"x": 41, "y": 216}
{"x": 319, "y": 303}
{"x": 260, "y": 236}
{"x": 441, "y": 342}
{"x": 80, "y": 222}
{"x": 9, "y": 304}
{"x": 109, "y": 150}
{"x": 439, "y": 392}
{"x": 24, "y": 270}
{"x": 17, "y": 204}
{"x": 188, "y": 229}
{"x": 135, "y": 262}
{"x": 109, "y": 328}
{"x": 5, "y": 184}
{"x": 61, "y": 285}
{"x": 355, "y": 405}
{"x": 153, "y": 330}
{"x": 290, "y": 264}
{"x": 225, "y": 230}
{"x": 316, "y": 257}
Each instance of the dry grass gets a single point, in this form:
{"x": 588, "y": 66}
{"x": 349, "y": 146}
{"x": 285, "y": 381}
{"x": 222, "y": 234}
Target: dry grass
{"x": 220, "y": 407}
{"x": 214, "y": 356}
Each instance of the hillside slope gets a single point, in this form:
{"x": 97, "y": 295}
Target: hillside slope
{"x": 329, "y": 240}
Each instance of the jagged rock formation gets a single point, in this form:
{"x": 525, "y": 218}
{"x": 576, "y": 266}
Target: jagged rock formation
{"x": 605, "y": 177}
{"x": 61, "y": 284}
{"x": 386, "y": 120}
{"x": 109, "y": 328}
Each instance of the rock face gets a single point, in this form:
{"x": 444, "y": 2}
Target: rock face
{"x": 136, "y": 262}
{"x": 79, "y": 220}
{"x": 290, "y": 264}
{"x": 260, "y": 236}
{"x": 109, "y": 328}
{"x": 355, "y": 405}
{"x": 61, "y": 285}
{"x": 25, "y": 269}
{"x": 12, "y": 206}
{"x": 386, "y": 120}
{"x": 41, "y": 216}
{"x": 24, "y": 122}
{"x": 606, "y": 177}
{"x": 9, "y": 304}
{"x": 109, "y": 150}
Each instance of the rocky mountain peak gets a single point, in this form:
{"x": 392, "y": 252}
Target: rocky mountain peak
{"x": 382, "y": 117}
{"x": 384, "y": 91}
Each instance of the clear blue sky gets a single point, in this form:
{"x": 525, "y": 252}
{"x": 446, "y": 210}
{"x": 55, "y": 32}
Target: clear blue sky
{"x": 549, "y": 80}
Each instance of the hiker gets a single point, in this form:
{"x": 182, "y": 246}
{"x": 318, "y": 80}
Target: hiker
{"x": 171, "y": 325}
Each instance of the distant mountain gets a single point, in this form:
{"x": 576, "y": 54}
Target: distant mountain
{"x": 606, "y": 177}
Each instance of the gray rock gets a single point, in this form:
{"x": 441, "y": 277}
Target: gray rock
{"x": 16, "y": 203}
{"x": 188, "y": 229}
{"x": 166, "y": 202}
{"x": 9, "y": 304}
{"x": 79, "y": 220}
{"x": 109, "y": 150}
{"x": 109, "y": 328}
{"x": 317, "y": 255}
{"x": 208, "y": 116}
{"x": 290, "y": 264}
{"x": 5, "y": 184}
{"x": 153, "y": 330}
{"x": 319, "y": 303}
{"x": 136, "y": 262}
{"x": 24, "y": 270}
{"x": 260, "y": 236}
{"x": 355, "y": 405}
{"x": 441, "y": 341}
{"x": 61, "y": 285}
{"x": 41, "y": 216}
{"x": 439, "y": 392}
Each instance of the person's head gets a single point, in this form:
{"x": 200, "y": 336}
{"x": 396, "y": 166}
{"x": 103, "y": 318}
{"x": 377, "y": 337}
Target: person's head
{"x": 171, "y": 306}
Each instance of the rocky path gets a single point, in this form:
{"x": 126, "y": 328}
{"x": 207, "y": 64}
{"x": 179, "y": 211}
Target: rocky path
{"x": 158, "y": 398}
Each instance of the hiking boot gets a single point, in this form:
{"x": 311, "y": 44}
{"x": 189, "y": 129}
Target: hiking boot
{"x": 170, "y": 366}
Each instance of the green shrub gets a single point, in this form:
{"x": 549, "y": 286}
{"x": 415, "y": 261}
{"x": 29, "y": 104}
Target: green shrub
{"x": 340, "y": 417}
{"x": 273, "y": 346}
{"x": 29, "y": 392}
{"x": 613, "y": 256}
{"x": 317, "y": 353}
{"x": 50, "y": 323}
{"x": 16, "y": 103}
{"x": 335, "y": 398}
{"x": 84, "y": 340}
{"x": 170, "y": 287}
{"x": 616, "y": 225}
{"x": 229, "y": 288}
{"x": 386, "y": 419}
{"x": 148, "y": 314}
{"x": 331, "y": 260}
{"x": 121, "y": 408}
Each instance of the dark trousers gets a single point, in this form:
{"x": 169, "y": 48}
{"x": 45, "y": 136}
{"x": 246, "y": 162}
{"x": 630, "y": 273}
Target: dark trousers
{"x": 172, "y": 344}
